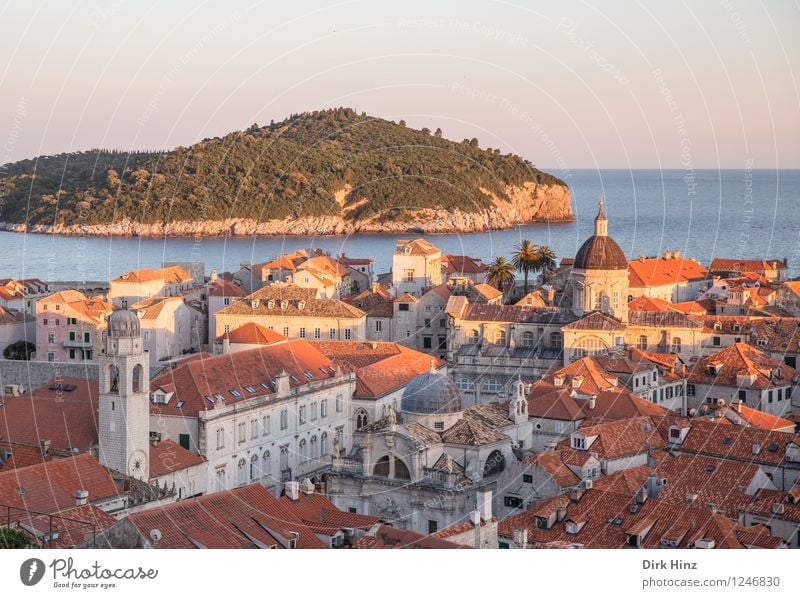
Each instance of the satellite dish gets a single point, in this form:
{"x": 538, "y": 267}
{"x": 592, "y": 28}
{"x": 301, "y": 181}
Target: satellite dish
{"x": 155, "y": 535}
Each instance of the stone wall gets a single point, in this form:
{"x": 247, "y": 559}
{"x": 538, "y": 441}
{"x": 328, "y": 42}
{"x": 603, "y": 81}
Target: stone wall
{"x": 33, "y": 374}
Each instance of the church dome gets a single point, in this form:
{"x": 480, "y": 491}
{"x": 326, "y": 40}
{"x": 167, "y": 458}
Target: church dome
{"x": 123, "y": 323}
{"x": 431, "y": 392}
{"x": 600, "y": 253}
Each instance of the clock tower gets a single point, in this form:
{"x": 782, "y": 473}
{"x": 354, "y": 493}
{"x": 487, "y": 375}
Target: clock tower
{"x": 124, "y": 421}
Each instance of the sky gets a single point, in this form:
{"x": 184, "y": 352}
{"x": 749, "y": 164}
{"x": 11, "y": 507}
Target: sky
{"x": 565, "y": 84}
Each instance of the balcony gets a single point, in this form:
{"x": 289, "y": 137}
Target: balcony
{"x": 347, "y": 464}
{"x": 78, "y": 344}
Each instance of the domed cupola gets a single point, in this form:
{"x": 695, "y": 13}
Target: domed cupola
{"x": 432, "y": 395}
{"x": 123, "y": 324}
{"x": 600, "y": 252}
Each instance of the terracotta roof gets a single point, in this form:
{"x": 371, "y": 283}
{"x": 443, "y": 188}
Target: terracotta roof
{"x": 168, "y": 274}
{"x": 50, "y": 486}
{"x": 92, "y": 308}
{"x": 417, "y": 246}
{"x": 168, "y": 456}
{"x": 406, "y": 298}
{"x": 726, "y": 367}
{"x": 533, "y": 299}
{"x": 619, "y": 439}
{"x": 662, "y": 319}
{"x": 391, "y": 537}
{"x": 658, "y": 271}
{"x": 650, "y": 304}
{"x": 355, "y": 261}
{"x": 151, "y": 308}
{"x": 777, "y": 335}
{"x": 23, "y": 455}
{"x": 245, "y": 517}
{"x": 225, "y": 288}
{"x": 738, "y": 325}
{"x": 375, "y": 303}
{"x": 253, "y": 334}
{"x": 460, "y": 528}
{"x": 586, "y": 372}
{"x": 552, "y": 463}
{"x": 596, "y": 320}
{"x": 380, "y": 367}
{"x": 463, "y": 264}
{"x": 727, "y": 441}
{"x": 73, "y": 527}
{"x": 314, "y": 509}
{"x": 627, "y": 481}
{"x": 559, "y": 404}
{"x": 67, "y": 418}
{"x": 719, "y": 264}
{"x": 470, "y": 432}
{"x": 290, "y": 301}
{"x": 716, "y": 481}
{"x": 740, "y": 414}
{"x": 515, "y": 313}
{"x": 696, "y": 308}
{"x": 199, "y": 379}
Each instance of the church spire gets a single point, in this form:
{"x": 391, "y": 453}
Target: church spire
{"x": 601, "y": 222}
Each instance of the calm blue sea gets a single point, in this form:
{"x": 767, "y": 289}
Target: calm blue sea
{"x": 754, "y": 214}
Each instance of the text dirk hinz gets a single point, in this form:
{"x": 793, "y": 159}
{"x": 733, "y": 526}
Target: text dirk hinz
{"x": 673, "y": 564}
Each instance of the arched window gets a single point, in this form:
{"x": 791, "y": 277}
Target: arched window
{"x": 266, "y": 465}
{"x": 241, "y": 472}
{"x": 495, "y": 463}
{"x": 676, "y": 344}
{"x": 589, "y": 345}
{"x": 361, "y": 419}
{"x": 400, "y": 470}
{"x": 555, "y": 340}
{"x": 473, "y": 337}
{"x": 527, "y": 339}
{"x": 500, "y": 338}
{"x": 642, "y": 344}
{"x": 381, "y": 468}
{"x": 113, "y": 378}
{"x": 465, "y": 384}
{"x": 323, "y": 444}
{"x": 254, "y": 473}
{"x": 314, "y": 454}
{"x": 138, "y": 377}
{"x": 492, "y": 385}
{"x": 302, "y": 450}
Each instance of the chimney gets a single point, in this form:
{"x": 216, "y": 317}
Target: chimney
{"x": 44, "y": 446}
{"x": 653, "y": 486}
{"x": 81, "y": 498}
{"x": 214, "y": 275}
{"x": 475, "y": 518}
{"x": 561, "y": 513}
{"x": 551, "y": 295}
{"x": 226, "y": 344}
{"x": 592, "y": 402}
{"x": 292, "y": 489}
{"x": 282, "y": 387}
{"x": 756, "y": 449}
{"x": 642, "y": 495}
{"x": 691, "y": 498}
{"x": 375, "y": 286}
{"x": 483, "y": 497}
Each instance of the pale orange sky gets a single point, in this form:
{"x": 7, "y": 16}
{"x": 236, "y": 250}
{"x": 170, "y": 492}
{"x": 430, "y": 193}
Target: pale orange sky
{"x": 567, "y": 85}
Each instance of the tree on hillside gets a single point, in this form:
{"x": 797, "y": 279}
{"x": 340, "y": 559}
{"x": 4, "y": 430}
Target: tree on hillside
{"x": 20, "y": 350}
{"x": 500, "y": 273}
{"x": 525, "y": 259}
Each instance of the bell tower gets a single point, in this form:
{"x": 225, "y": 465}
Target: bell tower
{"x": 124, "y": 420}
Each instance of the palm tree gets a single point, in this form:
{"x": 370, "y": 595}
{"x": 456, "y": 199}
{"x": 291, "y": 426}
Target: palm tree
{"x": 500, "y": 273}
{"x": 545, "y": 259}
{"x": 525, "y": 259}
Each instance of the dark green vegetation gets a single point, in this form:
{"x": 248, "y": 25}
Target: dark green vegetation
{"x": 20, "y": 350}
{"x": 13, "y": 538}
{"x": 284, "y": 170}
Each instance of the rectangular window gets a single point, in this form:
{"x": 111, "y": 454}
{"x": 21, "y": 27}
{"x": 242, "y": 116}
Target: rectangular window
{"x": 690, "y": 390}
{"x": 769, "y": 396}
{"x": 72, "y": 356}
{"x": 302, "y": 333}
{"x": 427, "y": 342}
{"x": 265, "y": 425}
{"x": 313, "y": 411}
{"x": 45, "y": 321}
{"x": 87, "y": 337}
{"x": 409, "y": 276}
{"x": 317, "y": 333}
{"x": 302, "y": 414}
{"x": 51, "y": 337}
{"x": 512, "y": 501}
{"x": 51, "y": 357}
{"x": 347, "y": 334}
{"x": 339, "y": 404}
{"x": 427, "y": 322}
{"x": 145, "y": 335}
{"x": 743, "y": 396}
{"x": 433, "y": 526}
{"x": 332, "y": 334}
{"x": 402, "y": 306}
{"x": 527, "y": 478}
{"x": 72, "y": 335}
{"x": 241, "y": 433}
{"x": 286, "y": 332}
{"x": 715, "y": 341}
{"x": 226, "y": 301}
{"x": 254, "y": 429}
{"x": 284, "y": 419}
{"x": 220, "y": 438}
{"x": 183, "y": 440}
{"x": 323, "y": 408}
{"x": 378, "y": 326}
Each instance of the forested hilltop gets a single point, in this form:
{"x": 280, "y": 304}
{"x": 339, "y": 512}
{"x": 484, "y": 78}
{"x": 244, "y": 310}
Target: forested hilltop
{"x": 331, "y": 171}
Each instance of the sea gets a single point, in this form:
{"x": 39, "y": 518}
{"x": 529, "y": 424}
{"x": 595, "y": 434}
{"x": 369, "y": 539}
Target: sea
{"x": 701, "y": 213}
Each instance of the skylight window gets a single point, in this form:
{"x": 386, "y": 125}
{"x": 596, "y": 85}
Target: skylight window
{"x": 250, "y": 389}
{"x": 710, "y": 468}
{"x": 772, "y": 448}
{"x": 265, "y": 385}
{"x": 293, "y": 378}
{"x": 209, "y": 399}
{"x": 308, "y": 375}
{"x": 218, "y": 396}
{"x": 235, "y": 393}
{"x": 180, "y": 404}
{"x": 727, "y": 441}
